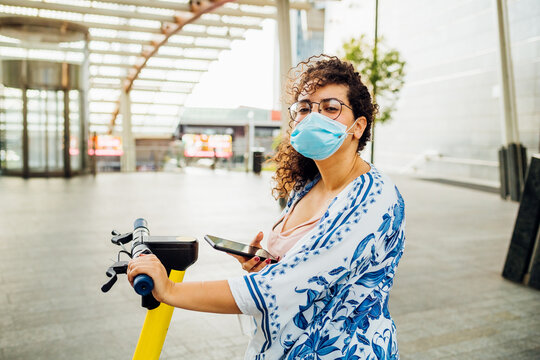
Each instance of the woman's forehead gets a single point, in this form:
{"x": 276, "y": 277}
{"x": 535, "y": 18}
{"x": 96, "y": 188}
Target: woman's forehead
{"x": 338, "y": 91}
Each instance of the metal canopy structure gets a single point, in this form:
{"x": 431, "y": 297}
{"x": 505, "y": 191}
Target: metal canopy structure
{"x": 156, "y": 50}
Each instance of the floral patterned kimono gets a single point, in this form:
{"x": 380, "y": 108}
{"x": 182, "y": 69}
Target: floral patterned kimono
{"x": 328, "y": 297}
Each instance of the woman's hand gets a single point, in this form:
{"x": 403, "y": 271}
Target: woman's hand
{"x": 151, "y": 266}
{"x": 253, "y": 264}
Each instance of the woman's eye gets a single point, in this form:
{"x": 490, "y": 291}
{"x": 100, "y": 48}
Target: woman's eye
{"x": 331, "y": 109}
{"x": 303, "y": 111}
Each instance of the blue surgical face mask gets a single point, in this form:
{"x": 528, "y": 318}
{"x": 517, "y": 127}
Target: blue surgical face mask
{"x": 318, "y": 137}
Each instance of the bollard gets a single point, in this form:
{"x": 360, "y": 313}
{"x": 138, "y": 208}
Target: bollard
{"x": 523, "y": 257}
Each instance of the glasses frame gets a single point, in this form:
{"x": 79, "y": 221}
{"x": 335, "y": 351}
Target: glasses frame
{"x": 318, "y": 106}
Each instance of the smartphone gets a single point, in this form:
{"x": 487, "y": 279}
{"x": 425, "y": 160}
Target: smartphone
{"x": 238, "y": 248}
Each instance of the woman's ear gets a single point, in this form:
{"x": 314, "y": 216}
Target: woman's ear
{"x": 359, "y": 127}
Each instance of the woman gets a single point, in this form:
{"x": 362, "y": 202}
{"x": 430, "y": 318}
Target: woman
{"x": 339, "y": 239}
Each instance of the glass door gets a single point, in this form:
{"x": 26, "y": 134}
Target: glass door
{"x": 45, "y": 132}
{"x": 11, "y": 130}
{"x": 55, "y": 131}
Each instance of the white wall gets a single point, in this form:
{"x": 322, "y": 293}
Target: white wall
{"x": 450, "y": 103}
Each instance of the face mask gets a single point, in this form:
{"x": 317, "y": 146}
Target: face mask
{"x": 318, "y": 137}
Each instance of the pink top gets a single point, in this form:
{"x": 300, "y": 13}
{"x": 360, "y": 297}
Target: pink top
{"x": 279, "y": 242}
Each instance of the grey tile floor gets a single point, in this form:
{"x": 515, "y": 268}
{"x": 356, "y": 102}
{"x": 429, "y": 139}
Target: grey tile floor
{"x": 449, "y": 300}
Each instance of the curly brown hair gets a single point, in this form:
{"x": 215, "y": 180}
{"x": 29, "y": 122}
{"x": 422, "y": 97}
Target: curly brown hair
{"x": 293, "y": 169}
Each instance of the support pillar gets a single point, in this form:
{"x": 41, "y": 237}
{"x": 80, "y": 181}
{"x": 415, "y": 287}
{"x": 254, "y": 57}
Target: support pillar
{"x": 85, "y": 111}
{"x": 25, "y": 146}
{"x": 512, "y": 155}
{"x": 285, "y": 56}
{"x": 67, "y": 132}
{"x": 127, "y": 161}
{"x": 250, "y": 141}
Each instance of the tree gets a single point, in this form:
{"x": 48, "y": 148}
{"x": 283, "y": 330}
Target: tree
{"x": 382, "y": 71}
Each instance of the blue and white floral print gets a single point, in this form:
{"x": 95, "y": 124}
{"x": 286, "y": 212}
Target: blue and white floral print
{"x": 328, "y": 297}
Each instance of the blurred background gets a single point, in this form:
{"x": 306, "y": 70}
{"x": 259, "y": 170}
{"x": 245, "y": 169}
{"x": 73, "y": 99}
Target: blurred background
{"x": 209, "y": 93}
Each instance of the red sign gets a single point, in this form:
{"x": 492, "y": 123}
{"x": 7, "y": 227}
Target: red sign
{"x": 276, "y": 115}
{"x": 106, "y": 145}
{"x": 202, "y": 145}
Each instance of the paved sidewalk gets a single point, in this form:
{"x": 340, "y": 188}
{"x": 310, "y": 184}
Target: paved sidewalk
{"x": 449, "y": 300}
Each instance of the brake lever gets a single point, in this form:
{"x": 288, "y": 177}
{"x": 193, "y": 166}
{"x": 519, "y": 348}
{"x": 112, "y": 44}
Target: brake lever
{"x": 119, "y": 267}
{"x": 121, "y": 239}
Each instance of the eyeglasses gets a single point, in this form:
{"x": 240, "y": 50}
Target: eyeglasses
{"x": 329, "y": 107}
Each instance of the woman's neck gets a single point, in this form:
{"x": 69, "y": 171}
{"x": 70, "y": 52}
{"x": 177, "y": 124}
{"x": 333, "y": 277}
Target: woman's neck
{"x": 335, "y": 176}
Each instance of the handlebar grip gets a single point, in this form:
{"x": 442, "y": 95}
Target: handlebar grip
{"x": 140, "y": 222}
{"x": 143, "y": 284}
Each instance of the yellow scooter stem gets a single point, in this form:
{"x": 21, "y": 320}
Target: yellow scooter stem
{"x": 155, "y": 327}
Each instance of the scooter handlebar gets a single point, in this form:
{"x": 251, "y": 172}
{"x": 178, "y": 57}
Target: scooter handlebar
{"x": 143, "y": 284}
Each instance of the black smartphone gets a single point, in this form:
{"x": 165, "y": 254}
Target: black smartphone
{"x": 238, "y": 248}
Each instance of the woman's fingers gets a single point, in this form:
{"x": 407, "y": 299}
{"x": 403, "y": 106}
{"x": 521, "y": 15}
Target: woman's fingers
{"x": 257, "y": 240}
{"x": 261, "y": 265}
{"x": 255, "y": 264}
{"x": 142, "y": 265}
{"x": 151, "y": 266}
{"x": 251, "y": 264}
